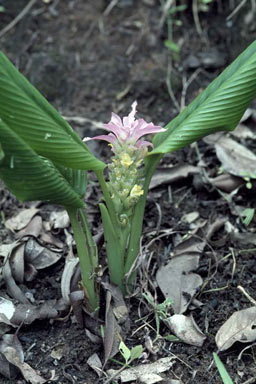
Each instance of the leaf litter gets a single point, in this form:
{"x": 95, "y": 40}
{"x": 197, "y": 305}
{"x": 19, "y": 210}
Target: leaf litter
{"x": 240, "y": 326}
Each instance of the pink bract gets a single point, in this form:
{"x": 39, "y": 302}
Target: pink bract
{"x": 128, "y": 131}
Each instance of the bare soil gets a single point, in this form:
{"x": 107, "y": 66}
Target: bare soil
{"x": 88, "y": 62}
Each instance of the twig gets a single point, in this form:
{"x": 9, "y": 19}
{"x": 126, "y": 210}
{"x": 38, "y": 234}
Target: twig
{"x": 18, "y": 18}
{"x": 246, "y": 294}
{"x": 185, "y": 88}
{"x": 165, "y": 11}
{"x": 237, "y": 9}
{"x": 169, "y": 69}
{"x": 109, "y": 8}
{"x": 196, "y": 18}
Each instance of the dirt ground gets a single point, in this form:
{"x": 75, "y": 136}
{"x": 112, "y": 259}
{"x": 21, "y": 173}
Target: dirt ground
{"x": 92, "y": 57}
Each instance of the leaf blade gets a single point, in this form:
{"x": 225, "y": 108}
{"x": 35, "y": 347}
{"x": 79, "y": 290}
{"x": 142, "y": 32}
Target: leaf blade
{"x": 30, "y": 115}
{"x": 31, "y": 177}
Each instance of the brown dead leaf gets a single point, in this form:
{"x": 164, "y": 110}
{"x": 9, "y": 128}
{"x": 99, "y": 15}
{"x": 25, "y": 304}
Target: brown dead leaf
{"x": 186, "y": 329}
{"x": 21, "y": 220}
{"x": 144, "y": 373}
{"x": 225, "y": 182}
{"x": 32, "y": 229}
{"x": 59, "y": 220}
{"x": 240, "y": 326}
{"x": 119, "y": 307}
{"x": 11, "y": 349}
{"x": 95, "y": 363}
{"x": 112, "y": 336}
{"x": 170, "y": 175}
{"x": 236, "y": 158}
{"x": 39, "y": 256}
{"x": 177, "y": 281}
{"x": 16, "y": 315}
{"x": 243, "y": 132}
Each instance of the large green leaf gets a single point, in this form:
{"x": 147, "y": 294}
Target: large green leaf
{"x": 32, "y": 118}
{"x": 30, "y": 176}
{"x": 218, "y": 108}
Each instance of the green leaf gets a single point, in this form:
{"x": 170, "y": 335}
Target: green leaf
{"x": 77, "y": 178}
{"x": 136, "y": 352}
{"x": 222, "y": 370}
{"x": 172, "y": 46}
{"x": 125, "y": 351}
{"x": 218, "y": 108}
{"x": 27, "y": 113}
{"x": 32, "y": 177}
{"x": 179, "y": 8}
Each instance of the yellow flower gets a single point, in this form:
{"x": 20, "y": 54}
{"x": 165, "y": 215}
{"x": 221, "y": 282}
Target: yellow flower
{"x": 136, "y": 191}
{"x": 125, "y": 160}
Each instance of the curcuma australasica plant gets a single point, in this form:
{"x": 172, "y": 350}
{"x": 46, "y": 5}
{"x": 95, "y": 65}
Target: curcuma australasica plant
{"x": 42, "y": 158}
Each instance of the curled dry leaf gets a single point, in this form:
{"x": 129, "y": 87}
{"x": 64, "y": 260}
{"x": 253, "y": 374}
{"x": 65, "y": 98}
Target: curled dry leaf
{"x": 170, "y": 175}
{"x": 59, "y": 220}
{"x": 146, "y": 373}
{"x": 235, "y": 158}
{"x": 32, "y": 229}
{"x": 186, "y": 329}
{"x": 177, "y": 281}
{"x": 39, "y": 256}
{"x": 119, "y": 307}
{"x": 226, "y": 183}
{"x": 21, "y": 220}
{"x": 95, "y": 363}
{"x": 112, "y": 335}
{"x": 15, "y": 315}
{"x": 11, "y": 349}
{"x": 241, "y": 326}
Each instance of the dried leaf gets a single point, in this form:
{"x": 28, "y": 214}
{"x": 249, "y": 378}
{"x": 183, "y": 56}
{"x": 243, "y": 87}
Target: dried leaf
{"x": 58, "y": 351}
{"x": 66, "y": 278}
{"x": 119, "y": 307}
{"x": 95, "y": 363}
{"x": 112, "y": 336}
{"x": 170, "y": 175}
{"x": 177, "y": 281}
{"x": 145, "y": 373}
{"x": 240, "y": 326}
{"x": 243, "y": 132}
{"x": 40, "y": 257}
{"x": 190, "y": 217}
{"x": 15, "y": 315}
{"x": 32, "y": 229}
{"x": 16, "y": 260}
{"x": 185, "y": 328}
{"x": 226, "y": 182}
{"x": 21, "y": 220}
{"x": 235, "y": 158}
{"x": 59, "y": 220}
{"x": 29, "y": 374}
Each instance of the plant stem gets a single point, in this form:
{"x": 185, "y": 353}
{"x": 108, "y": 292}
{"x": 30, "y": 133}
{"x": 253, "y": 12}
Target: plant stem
{"x": 109, "y": 203}
{"x": 137, "y": 220}
{"x": 86, "y": 255}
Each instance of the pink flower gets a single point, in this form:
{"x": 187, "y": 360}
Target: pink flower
{"x": 128, "y": 131}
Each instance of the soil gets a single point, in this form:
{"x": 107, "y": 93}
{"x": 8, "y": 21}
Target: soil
{"x": 89, "y": 59}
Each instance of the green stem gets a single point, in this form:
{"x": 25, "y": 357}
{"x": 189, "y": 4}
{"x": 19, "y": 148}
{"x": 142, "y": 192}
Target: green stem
{"x": 86, "y": 258}
{"x": 109, "y": 203}
{"x": 137, "y": 220}
{"x": 93, "y": 254}
{"x": 113, "y": 248}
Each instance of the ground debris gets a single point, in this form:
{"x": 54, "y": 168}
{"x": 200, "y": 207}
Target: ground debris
{"x": 145, "y": 373}
{"x": 240, "y": 326}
